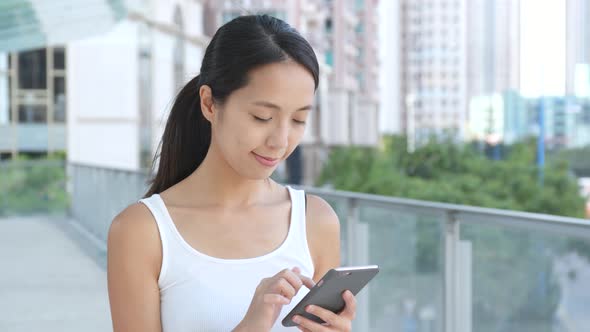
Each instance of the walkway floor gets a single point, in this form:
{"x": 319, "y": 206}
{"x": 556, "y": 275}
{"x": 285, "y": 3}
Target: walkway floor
{"x": 47, "y": 283}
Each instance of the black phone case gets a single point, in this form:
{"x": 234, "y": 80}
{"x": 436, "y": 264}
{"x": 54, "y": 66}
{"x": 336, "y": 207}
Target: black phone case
{"x": 327, "y": 293}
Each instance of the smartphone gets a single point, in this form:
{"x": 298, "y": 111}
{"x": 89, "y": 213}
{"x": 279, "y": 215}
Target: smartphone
{"x": 327, "y": 293}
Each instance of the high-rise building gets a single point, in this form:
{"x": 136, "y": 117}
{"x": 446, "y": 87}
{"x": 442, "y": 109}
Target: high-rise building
{"x": 455, "y": 56}
{"x": 366, "y": 115}
{"x": 577, "y": 47}
{"x": 434, "y": 68}
{"x": 493, "y": 36}
{"x": 389, "y": 68}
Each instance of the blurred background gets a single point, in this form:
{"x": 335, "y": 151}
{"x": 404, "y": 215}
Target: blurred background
{"x": 452, "y": 137}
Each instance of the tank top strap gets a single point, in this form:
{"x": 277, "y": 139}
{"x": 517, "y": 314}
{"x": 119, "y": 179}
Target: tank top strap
{"x": 155, "y": 205}
{"x": 299, "y": 237}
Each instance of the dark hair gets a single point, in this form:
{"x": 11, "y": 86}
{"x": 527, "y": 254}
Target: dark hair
{"x": 237, "y": 47}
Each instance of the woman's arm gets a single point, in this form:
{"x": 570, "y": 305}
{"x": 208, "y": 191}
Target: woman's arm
{"x": 134, "y": 258}
{"x": 323, "y": 235}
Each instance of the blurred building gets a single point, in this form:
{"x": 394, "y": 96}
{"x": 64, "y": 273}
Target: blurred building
{"x": 32, "y": 102}
{"x": 455, "y": 56}
{"x": 461, "y": 67}
{"x": 122, "y": 83}
{"x": 493, "y": 71}
{"x": 118, "y": 83}
{"x": 434, "y": 67}
{"x": 104, "y": 94}
{"x": 577, "y": 78}
{"x": 344, "y": 35}
{"x": 577, "y": 47}
{"x": 33, "y": 68}
{"x": 389, "y": 63}
{"x": 493, "y": 36}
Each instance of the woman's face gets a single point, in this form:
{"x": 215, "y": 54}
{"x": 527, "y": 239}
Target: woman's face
{"x": 260, "y": 124}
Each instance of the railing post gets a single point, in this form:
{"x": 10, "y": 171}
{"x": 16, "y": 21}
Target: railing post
{"x": 451, "y": 241}
{"x": 458, "y": 277}
{"x": 352, "y": 218}
{"x": 358, "y": 254}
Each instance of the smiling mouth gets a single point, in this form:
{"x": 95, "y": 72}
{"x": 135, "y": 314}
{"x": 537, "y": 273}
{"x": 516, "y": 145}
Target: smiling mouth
{"x": 265, "y": 160}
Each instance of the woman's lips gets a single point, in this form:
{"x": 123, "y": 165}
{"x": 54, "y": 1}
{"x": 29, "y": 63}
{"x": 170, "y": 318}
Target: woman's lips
{"x": 268, "y": 162}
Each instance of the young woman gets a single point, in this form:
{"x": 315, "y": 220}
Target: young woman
{"x": 215, "y": 244}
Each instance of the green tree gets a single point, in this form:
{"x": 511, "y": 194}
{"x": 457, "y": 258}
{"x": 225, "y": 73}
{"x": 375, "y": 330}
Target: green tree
{"x": 443, "y": 171}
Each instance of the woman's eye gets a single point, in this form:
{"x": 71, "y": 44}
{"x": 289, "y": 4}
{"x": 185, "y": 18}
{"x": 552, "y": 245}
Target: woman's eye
{"x": 261, "y": 119}
{"x": 299, "y": 122}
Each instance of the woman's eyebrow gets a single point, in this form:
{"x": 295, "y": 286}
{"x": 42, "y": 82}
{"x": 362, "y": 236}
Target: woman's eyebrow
{"x": 276, "y": 107}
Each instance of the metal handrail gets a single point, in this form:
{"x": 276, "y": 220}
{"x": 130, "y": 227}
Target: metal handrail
{"x": 465, "y": 213}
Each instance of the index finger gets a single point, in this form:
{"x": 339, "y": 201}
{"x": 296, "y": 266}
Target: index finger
{"x": 307, "y": 281}
{"x": 292, "y": 278}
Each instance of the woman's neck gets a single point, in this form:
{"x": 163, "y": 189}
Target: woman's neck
{"x": 215, "y": 182}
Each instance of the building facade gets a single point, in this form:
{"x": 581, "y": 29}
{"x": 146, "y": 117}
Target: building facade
{"x": 122, "y": 83}
{"x": 33, "y": 102}
{"x": 433, "y": 65}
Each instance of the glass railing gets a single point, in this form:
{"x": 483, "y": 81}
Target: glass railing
{"x": 33, "y": 137}
{"x": 443, "y": 267}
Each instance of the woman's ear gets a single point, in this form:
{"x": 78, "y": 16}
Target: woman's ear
{"x": 207, "y": 105}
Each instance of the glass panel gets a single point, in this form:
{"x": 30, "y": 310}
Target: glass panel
{"x": 59, "y": 58}
{"x": 32, "y": 69}
{"x": 59, "y": 99}
{"x": 32, "y": 114}
{"x": 32, "y": 138}
{"x": 407, "y": 294}
{"x": 4, "y": 99}
{"x": 527, "y": 280}
{"x": 87, "y": 181}
{"x": 3, "y": 63}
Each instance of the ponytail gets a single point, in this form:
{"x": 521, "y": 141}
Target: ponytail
{"x": 185, "y": 141}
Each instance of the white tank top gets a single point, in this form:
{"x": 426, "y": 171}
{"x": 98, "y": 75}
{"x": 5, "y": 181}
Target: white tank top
{"x": 203, "y": 293}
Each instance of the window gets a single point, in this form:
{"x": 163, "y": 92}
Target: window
{"x": 59, "y": 99}
{"x": 32, "y": 73}
{"x": 330, "y": 57}
{"x": 59, "y": 58}
{"x": 32, "y": 114}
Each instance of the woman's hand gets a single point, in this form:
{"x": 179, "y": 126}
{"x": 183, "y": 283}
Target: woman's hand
{"x": 269, "y": 298}
{"x": 334, "y": 322}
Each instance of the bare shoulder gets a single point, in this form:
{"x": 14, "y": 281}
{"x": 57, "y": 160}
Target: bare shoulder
{"x": 323, "y": 235}
{"x": 134, "y": 232}
{"x": 321, "y": 214}
{"x": 133, "y": 265}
